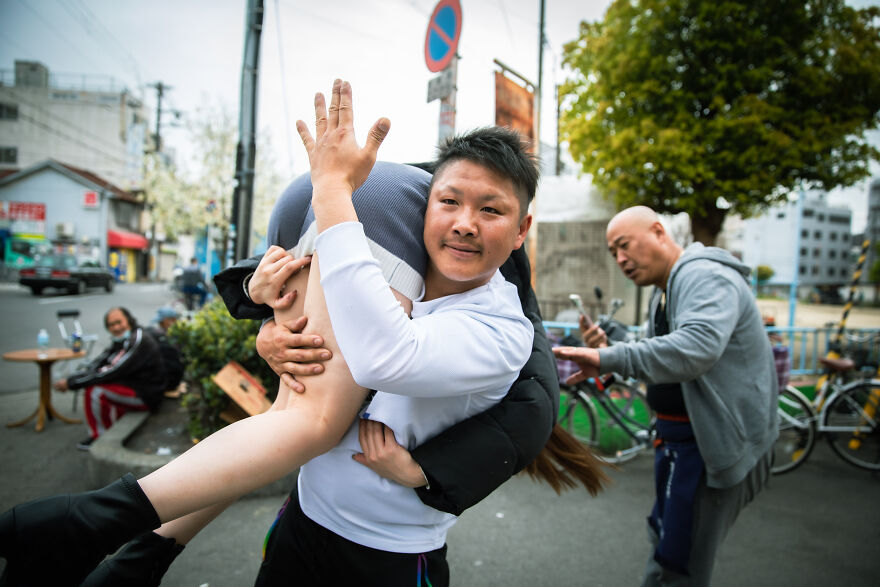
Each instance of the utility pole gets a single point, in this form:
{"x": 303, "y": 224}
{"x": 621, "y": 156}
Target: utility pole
{"x": 540, "y": 83}
{"x": 245, "y": 154}
{"x": 533, "y": 237}
{"x": 558, "y": 146}
{"x": 153, "y": 266}
{"x": 160, "y": 92}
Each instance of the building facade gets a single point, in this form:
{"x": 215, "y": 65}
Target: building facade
{"x": 52, "y": 205}
{"x": 84, "y": 121}
{"x": 813, "y": 240}
{"x": 572, "y": 254}
{"x": 872, "y": 229}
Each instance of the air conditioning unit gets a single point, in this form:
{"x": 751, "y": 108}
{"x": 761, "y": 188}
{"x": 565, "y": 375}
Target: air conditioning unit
{"x": 64, "y": 229}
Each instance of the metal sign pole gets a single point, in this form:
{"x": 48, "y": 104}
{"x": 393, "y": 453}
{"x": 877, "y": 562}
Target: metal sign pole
{"x": 446, "y": 125}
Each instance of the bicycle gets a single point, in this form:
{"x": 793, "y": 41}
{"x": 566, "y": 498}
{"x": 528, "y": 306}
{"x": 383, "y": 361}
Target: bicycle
{"x": 847, "y": 413}
{"x": 609, "y": 414}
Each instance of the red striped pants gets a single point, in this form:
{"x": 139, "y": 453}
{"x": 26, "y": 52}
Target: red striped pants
{"x": 106, "y": 403}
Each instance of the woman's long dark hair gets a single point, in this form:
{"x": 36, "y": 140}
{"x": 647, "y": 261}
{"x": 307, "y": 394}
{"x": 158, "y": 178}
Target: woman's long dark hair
{"x": 565, "y": 461}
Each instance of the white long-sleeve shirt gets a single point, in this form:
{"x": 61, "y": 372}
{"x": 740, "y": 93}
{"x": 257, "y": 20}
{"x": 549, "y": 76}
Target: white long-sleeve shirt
{"x": 457, "y": 357}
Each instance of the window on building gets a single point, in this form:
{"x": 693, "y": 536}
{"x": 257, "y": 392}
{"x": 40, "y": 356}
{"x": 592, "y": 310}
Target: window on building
{"x": 808, "y": 212}
{"x": 831, "y": 272}
{"x": 820, "y": 217}
{"x": 780, "y": 215}
{"x": 832, "y": 254}
{"x": 8, "y": 111}
{"x": 9, "y": 155}
{"x": 804, "y": 252}
{"x": 805, "y": 234}
{"x": 838, "y": 219}
{"x": 817, "y": 234}
{"x": 817, "y": 252}
{"x": 814, "y": 270}
{"x": 802, "y": 270}
{"x": 844, "y": 238}
{"x": 832, "y": 236}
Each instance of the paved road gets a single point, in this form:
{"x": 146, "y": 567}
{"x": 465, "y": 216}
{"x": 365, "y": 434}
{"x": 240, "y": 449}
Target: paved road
{"x": 24, "y": 314}
{"x": 817, "y": 526}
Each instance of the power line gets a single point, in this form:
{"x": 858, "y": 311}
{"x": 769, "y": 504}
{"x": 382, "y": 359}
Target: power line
{"x": 73, "y": 139}
{"x": 48, "y": 114}
{"x": 88, "y": 19}
{"x": 58, "y": 33}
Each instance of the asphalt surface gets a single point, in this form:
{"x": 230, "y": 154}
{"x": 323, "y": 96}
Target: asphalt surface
{"x": 819, "y": 525}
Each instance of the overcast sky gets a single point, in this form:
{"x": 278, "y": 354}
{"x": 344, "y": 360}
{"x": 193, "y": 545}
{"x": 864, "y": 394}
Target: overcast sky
{"x": 196, "y": 47}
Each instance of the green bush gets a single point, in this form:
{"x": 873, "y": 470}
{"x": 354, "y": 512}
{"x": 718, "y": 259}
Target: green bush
{"x": 209, "y": 340}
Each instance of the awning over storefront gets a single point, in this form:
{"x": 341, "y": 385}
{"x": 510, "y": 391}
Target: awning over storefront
{"x": 122, "y": 239}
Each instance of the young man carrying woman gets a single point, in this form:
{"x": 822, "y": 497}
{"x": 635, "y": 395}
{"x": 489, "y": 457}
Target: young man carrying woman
{"x": 475, "y": 218}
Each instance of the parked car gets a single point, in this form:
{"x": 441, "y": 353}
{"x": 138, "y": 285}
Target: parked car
{"x": 61, "y": 270}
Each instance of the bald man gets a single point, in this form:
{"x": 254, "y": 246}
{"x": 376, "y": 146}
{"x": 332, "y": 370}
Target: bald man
{"x": 711, "y": 379}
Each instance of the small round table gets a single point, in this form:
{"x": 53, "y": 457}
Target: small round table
{"x": 44, "y": 358}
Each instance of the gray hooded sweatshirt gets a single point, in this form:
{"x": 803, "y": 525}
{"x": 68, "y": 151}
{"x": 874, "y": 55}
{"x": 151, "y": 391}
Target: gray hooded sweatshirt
{"x": 719, "y": 351}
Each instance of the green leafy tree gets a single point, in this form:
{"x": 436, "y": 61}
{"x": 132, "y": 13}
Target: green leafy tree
{"x": 764, "y": 273}
{"x": 713, "y": 107}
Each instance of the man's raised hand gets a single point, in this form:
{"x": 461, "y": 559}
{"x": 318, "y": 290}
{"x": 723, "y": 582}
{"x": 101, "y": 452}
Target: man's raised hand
{"x": 337, "y": 162}
{"x": 586, "y": 358}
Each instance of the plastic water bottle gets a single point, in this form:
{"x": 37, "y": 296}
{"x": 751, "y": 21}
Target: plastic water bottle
{"x": 42, "y": 343}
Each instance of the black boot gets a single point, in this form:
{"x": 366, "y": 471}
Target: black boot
{"x": 59, "y": 540}
{"x": 141, "y": 563}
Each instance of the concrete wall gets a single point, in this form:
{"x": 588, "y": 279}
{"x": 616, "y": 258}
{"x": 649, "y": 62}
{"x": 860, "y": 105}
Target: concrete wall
{"x": 103, "y": 132}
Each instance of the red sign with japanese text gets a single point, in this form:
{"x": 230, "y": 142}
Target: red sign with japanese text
{"x": 90, "y": 200}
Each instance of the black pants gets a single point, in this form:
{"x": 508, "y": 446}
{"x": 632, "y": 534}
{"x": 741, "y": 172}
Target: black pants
{"x": 301, "y": 552}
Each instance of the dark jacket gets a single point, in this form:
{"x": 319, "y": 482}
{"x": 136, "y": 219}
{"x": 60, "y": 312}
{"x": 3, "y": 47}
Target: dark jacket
{"x": 134, "y": 362}
{"x": 172, "y": 359}
{"x": 468, "y": 461}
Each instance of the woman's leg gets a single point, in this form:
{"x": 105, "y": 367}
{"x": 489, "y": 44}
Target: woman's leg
{"x": 258, "y": 450}
{"x": 82, "y": 528}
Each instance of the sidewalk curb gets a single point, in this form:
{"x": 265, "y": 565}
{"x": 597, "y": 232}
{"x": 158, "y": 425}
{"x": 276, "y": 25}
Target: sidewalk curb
{"x": 110, "y": 459}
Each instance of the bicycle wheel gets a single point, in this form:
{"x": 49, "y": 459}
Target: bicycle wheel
{"x": 797, "y": 431}
{"x": 577, "y": 415}
{"x": 626, "y": 432}
{"x": 850, "y": 421}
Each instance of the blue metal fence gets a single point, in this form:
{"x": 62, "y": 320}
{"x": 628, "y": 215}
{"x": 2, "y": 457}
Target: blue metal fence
{"x": 805, "y": 345}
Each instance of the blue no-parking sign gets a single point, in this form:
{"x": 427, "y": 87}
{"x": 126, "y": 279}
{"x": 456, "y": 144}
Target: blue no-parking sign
{"x": 441, "y": 40}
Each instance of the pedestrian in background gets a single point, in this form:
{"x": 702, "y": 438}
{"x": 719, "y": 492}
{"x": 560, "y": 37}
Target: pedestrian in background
{"x": 192, "y": 284}
{"x": 711, "y": 380}
{"x": 172, "y": 358}
{"x": 128, "y": 375}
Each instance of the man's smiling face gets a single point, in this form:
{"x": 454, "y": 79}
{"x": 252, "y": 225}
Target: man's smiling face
{"x": 472, "y": 223}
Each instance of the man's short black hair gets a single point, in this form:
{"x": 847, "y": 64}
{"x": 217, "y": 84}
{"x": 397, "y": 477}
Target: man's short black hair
{"x": 132, "y": 323}
{"x": 498, "y": 148}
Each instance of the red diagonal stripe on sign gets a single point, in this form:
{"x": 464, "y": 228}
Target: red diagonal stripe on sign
{"x": 442, "y": 33}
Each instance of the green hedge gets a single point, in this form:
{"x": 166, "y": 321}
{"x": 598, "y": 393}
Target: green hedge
{"x": 209, "y": 340}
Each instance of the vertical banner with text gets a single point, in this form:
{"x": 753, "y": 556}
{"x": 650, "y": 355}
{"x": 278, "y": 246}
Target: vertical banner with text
{"x": 515, "y": 107}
